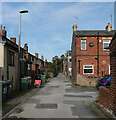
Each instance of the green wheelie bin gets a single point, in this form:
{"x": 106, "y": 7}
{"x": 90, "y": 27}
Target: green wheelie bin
{"x": 4, "y": 90}
{"x": 24, "y": 83}
{"x": 9, "y": 88}
{"x": 43, "y": 79}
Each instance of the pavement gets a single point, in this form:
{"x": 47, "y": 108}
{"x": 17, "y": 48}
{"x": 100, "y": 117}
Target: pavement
{"x": 16, "y": 99}
{"x": 58, "y": 99}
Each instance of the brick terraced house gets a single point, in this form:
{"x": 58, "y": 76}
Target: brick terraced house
{"x": 67, "y": 64}
{"x": 30, "y": 65}
{"x": 107, "y": 96}
{"x": 90, "y": 58}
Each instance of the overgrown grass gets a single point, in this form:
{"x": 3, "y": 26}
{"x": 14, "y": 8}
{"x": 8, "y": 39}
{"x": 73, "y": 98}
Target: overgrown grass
{"x": 98, "y": 112}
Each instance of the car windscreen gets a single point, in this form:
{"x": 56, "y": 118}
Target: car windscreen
{"x": 105, "y": 77}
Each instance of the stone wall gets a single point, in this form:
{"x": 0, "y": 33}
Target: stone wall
{"x": 84, "y": 81}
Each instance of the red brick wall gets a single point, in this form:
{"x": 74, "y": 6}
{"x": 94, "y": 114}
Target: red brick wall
{"x": 73, "y": 47}
{"x": 107, "y": 97}
{"x": 113, "y": 77}
{"x": 90, "y": 53}
{"x": 87, "y": 62}
{"x": 104, "y": 96}
{"x": 33, "y": 67}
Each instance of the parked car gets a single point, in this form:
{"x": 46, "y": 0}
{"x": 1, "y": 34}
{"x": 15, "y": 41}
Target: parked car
{"x": 104, "y": 81}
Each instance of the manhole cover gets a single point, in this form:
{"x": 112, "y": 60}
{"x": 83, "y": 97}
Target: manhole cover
{"x": 32, "y": 100}
{"x": 78, "y": 96}
{"x": 67, "y": 81}
{"x": 55, "y": 86}
{"x": 47, "y": 106}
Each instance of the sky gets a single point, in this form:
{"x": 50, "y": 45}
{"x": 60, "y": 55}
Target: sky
{"x": 47, "y": 28}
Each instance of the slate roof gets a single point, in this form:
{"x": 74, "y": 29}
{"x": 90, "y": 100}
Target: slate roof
{"x": 94, "y": 33}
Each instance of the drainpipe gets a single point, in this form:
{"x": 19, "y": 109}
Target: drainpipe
{"x": 75, "y": 61}
{"x": 98, "y": 55}
{"x": 79, "y": 65}
{"x": 7, "y": 65}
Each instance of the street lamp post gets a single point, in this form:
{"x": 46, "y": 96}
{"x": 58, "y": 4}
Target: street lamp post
{"x": 21, "y": 12}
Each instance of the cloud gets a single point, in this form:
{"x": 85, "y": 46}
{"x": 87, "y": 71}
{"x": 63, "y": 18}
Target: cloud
{"x": 48, "y": 27}
{"x": 58, "y": 0}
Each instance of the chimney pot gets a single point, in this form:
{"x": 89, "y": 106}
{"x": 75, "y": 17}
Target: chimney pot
{"x": 3, "y": 32}
{"x": 26, "y": 47}
{"x": 4, "y": 27}
{"x": 45, "y": 60}
{"x": 36, "y": 55}
{"x": 75, "y": 27}
{"x": 42, "y": 58}
{"x": 13, "y": 40}
{"x": 1, "y": 26}
{"x": 109, "y": 27}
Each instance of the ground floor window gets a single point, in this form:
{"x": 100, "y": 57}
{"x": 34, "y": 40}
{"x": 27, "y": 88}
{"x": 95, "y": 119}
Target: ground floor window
{"x": 88, "y": 69}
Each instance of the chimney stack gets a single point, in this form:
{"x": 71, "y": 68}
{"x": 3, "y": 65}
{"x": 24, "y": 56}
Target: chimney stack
{"x": 26, "y": 47}
{"x": 45, "y": 60}
{"x": 42, "y": 58}
{"x": 3, "y": 31}
{"x": 36, "y": 55}
{"x": 109, "y": 27}
{"x": 13, "y": 40}
{"x": 75, "y": 27}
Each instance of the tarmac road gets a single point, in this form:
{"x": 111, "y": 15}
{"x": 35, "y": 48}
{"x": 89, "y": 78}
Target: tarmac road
{"x": 59, "y": 99}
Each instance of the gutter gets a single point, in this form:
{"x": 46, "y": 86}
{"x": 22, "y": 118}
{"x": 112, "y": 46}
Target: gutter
{"x": 98, "y": 54}
{"x": 7, "y": 66}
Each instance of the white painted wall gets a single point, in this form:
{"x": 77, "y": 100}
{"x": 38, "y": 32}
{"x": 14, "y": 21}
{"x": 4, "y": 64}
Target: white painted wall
{"x": 1, "y": 55}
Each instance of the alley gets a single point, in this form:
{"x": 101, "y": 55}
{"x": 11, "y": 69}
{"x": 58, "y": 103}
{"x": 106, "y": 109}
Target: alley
{"x": 59, "y": 99}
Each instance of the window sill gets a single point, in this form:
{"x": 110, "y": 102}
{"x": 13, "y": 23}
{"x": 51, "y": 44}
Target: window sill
{"x": 88, "y": 73}
{"x": 105, "y": 50}
{"x": 11, "y": 65}
{"x": 83, "y": 50}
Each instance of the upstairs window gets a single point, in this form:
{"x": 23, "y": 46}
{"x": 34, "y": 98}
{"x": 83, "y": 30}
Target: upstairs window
{"x": 106, "y": 44}
{"x": 70, "y": 60}
{"x": 83, "y": 44}
{"x": 88, "y": 69}
{"x": 31, "y": 59}
{"x": 28, "y": 66}
{"x": 11, "y": 58}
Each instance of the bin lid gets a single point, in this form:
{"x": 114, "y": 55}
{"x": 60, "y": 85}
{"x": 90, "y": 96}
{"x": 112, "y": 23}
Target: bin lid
{"x": 4, "y": 82}
{"x": 9, "y": 81}
{"x": 27, "y": 77}
{"x": 23, "y": 78}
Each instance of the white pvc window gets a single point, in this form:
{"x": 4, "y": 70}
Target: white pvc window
{"x": 31, "y": 59}
{"x": 88, "y": 69}
{"x": 83, "y": 44}
{"x": 109, "y": 69}
{"x": 106, "y": 44}
{"x": 28, "y": 66}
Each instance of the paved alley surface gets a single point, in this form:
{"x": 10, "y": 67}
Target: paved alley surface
{"x": 59, "y": 99}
